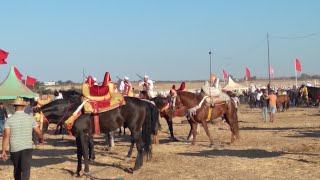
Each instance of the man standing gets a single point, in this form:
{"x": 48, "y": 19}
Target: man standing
{"x": 264, "y": 104}
{"x": 272, "y": 105}
{"x": 147, "y": 85}
{"x": 3, "y": 117}
{"x": 18, "y": 130}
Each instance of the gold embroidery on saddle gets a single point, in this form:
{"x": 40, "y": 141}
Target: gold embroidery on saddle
{"x": 102, "y": 101}
{"x": 39, "y": 117}
{"x": 70, "y": 121}
{"x": 42, "y": 102}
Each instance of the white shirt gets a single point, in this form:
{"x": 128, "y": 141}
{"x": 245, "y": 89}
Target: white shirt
{"x": 122, "y": 86}
{"x": 150, "y": 82}
{"x": 259, "y": 96}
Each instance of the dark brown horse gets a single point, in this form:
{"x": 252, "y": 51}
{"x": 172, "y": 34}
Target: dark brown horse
{"x": 283, "y": 100}
{"x": 226, "y": 109}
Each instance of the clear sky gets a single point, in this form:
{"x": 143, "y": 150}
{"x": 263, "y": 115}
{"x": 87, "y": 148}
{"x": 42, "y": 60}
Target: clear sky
{"x": 166, "y": 39}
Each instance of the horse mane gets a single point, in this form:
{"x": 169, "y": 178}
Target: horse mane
{"x": 71, "y": 95}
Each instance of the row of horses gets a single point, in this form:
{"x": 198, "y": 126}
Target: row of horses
{"x": 142, "y": 119}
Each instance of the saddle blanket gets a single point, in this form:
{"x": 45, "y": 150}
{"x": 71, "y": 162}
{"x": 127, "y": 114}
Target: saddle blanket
{"x": 217, "y": 98}
{"x": 98, "y": 106}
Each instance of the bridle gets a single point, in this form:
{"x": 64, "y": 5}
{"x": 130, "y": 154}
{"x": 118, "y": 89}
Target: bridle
{"x": 60, "y": 122}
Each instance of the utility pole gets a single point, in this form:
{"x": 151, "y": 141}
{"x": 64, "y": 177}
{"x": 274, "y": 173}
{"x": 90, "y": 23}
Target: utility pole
{"x": 269, "y": 85}
{"x": 210, "y": 69}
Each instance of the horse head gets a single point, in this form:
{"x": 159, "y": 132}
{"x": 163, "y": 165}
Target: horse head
{"x": 144, "y": 95}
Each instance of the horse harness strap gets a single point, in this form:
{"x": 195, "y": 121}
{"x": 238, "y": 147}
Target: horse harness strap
{"x": 209, "y": 114}
{"x": 192, "y": 111}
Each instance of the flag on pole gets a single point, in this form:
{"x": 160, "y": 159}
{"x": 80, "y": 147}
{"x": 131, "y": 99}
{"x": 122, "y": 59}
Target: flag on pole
{"x": 17, "y": 72}
{"x": 248, "y": 74}
{"x": 271, "y": 71}
{"x": 3, "y": 56}
{"x": 298, "y": 65}
{"x": 225, "y": 75}
{"x": 30, "y": 81}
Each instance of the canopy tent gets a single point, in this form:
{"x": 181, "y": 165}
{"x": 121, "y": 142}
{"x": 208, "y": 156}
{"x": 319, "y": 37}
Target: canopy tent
{"x": 12, "y": 87}
{"x": 232, "y": 86}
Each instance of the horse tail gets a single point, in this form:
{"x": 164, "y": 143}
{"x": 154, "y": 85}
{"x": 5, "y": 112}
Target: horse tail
{"x": 149, "y": 128}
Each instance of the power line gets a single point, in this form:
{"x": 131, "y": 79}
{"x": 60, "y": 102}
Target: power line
{"x": 296, "y": 37}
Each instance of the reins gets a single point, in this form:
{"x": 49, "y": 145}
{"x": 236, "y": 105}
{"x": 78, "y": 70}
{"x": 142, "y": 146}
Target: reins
{"x": 61, "y": 119}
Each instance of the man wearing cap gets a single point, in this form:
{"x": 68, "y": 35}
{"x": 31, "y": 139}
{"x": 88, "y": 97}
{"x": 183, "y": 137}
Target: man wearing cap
{"x": 125, "y": 86}
{"x": 147, "y": 85}
{"x": 18, "y": 130}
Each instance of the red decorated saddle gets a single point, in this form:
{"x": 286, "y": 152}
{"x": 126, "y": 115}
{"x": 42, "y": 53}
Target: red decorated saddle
{"x": 100, "y": 99}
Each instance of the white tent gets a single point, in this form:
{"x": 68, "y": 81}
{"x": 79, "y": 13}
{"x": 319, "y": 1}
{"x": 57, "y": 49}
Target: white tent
{"x": 232, "y": 86}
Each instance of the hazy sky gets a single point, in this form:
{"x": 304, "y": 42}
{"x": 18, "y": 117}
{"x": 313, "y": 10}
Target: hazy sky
{"x": 166, "y": 39}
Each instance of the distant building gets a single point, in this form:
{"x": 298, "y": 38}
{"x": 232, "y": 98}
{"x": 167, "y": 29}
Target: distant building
{"x": 49, "y": 83}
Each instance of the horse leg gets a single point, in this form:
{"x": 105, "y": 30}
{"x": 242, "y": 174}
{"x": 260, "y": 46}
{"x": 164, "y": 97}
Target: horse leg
{"x": 131, "y": 147}
{"x": 84, "y": 142}
{"x": 120, "y": 132}
{"x": 110, "y": 139}
{"x": 79, "y": 155}
{"x": 232, "y": 128}
{"x": 194, "y": 132}
{"x": 138, "y": 140}
{"x": 190, "y": 132}
{"x": 170, "y": 125}
{"x": 92, "y": 155}
{"x": 205, "y": 126}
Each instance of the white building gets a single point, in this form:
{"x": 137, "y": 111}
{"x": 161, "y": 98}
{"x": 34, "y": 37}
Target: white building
{"x": 49, "y": 83}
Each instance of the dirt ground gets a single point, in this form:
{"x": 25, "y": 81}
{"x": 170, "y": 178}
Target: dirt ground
{"x": 289, "y": 148}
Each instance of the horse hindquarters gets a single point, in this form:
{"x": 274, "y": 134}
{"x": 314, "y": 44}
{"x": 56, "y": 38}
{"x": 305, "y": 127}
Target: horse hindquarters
{"x": 232, "y": 119}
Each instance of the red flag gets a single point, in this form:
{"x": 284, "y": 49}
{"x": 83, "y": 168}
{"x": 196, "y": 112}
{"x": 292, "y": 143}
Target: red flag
{"x": 31, "y": 81}
{"x": 298, "y": 65}
{"x": 3, "y": 56}
{"x": 18, "y": 74}
{"x": 225, "y": 75}
{"x": 248, "y": 75}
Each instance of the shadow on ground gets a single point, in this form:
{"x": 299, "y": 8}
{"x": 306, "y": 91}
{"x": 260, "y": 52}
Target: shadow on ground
{"x": 249, "y": 153}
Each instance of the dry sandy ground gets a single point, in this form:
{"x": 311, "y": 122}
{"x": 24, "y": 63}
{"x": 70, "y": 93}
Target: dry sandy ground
{"x": 286, "y": 149}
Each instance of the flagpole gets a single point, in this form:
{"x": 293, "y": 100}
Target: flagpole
{"x": 210, "y": 68}
{"x": 295, "y": 70}
{"x": 268, "y": 62}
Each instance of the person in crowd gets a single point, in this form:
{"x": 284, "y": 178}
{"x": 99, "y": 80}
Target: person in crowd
{"x": 147, "y": 85}
{"x": 125, "y": 86}
{"x": 272, "y": 105}
{"x": 18, "y": 131}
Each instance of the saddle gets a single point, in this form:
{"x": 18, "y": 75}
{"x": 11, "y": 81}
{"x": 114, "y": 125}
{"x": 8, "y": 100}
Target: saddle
{"x": 216, "y": 96}
{"x": 98, "y": 99}
{"x": 42, "y": 102}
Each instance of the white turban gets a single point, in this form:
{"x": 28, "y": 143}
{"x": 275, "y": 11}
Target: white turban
{"x": 94, "y": 78}
{"x": 126, "y": 78}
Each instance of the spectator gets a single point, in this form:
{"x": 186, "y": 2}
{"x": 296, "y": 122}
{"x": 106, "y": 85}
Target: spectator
{"x": 18, "y": 130}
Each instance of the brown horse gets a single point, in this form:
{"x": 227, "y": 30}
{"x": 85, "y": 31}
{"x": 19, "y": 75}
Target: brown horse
{"x": 201, "y": 112}
{"x": 283, "y": 100}
{"x": 168, "y": 113}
